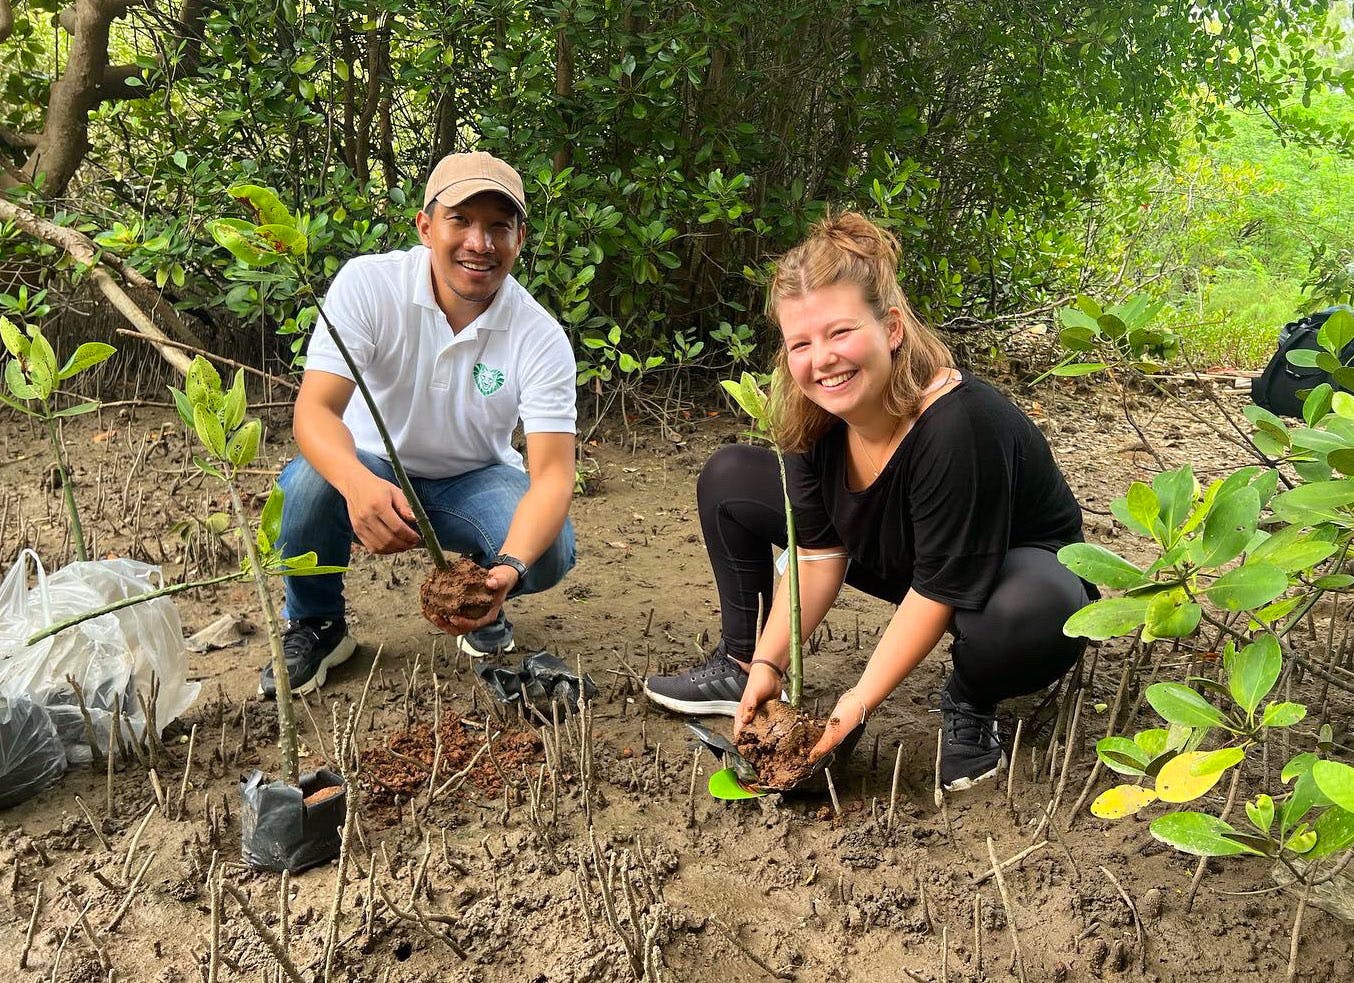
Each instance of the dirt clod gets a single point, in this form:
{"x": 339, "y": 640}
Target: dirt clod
{"x": 777, "y": 743}
{"x": 322, "y": 795}
{"x": 457, "y": 592}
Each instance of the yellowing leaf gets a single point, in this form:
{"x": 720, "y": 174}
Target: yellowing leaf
{"x": 1177, "y": 783}
{"x": 1121, "y": 801}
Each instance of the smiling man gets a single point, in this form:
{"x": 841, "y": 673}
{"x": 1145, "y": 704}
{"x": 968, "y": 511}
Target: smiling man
{"x": 455, "y": 353}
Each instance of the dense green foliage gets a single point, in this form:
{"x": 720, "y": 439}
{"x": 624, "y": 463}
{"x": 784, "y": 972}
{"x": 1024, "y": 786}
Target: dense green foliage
{"x": 669, "y": 149}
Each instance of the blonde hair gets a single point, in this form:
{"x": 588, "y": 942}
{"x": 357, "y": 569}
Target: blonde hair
{"x": 849, "y": 248}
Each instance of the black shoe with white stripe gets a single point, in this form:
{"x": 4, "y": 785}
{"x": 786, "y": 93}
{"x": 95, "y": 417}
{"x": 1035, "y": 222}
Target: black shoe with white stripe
{"x": 311, "y": 647}
{"x": 970, "y": 750}
{"x": 714, "y": 687}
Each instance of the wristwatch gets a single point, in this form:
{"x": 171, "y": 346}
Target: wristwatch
{"x": 508, "y": 560}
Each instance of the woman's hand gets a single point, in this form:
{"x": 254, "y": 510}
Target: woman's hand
{"x": 763, "y": 684}
{"x": 849, "y": 713}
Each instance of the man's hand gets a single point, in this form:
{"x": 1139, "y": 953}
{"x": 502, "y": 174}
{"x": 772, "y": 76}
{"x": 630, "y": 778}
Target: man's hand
{"x": 763, "y": 684}
{"x": 847, "y": 715}
{"x": 501, "y": 579}
{"x": 381, "y": 517}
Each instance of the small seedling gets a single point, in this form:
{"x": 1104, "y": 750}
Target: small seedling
{"x": 31, "y": 376}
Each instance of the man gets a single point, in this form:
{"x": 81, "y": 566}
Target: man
{"x": 454, "y": 351}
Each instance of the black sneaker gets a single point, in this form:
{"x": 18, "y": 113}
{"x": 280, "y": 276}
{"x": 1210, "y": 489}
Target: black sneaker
{"x": 492, "y": 639}
{"x": 714, "y": 687}
{"x": 311, "y": 648}
{"x": 970, "y": 750}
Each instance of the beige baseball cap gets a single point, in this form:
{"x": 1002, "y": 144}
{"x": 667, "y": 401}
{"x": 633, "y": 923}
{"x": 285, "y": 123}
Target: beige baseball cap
{"x": 460, "y": 176}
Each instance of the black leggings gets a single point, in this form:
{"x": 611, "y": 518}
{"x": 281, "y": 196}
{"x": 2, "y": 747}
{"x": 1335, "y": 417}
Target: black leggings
{"x": 1013, "y": 646}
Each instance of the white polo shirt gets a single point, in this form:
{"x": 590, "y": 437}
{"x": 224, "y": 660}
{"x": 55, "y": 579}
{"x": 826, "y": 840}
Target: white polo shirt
{"x": 449, "y": 401}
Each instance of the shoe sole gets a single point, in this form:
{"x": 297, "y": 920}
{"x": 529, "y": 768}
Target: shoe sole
{"x": 705, "y": 708}
{"x": 960, "y": 784}
{"x": 340, "y": 654}
{"x": 470, "y": 649}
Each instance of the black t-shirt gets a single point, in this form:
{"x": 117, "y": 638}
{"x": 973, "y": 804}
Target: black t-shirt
{"x": 972, "y": 479}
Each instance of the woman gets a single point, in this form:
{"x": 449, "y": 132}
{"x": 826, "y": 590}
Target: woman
{"x": 910, "y": 481}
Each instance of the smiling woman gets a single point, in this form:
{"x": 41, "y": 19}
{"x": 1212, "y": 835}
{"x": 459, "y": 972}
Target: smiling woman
{"x": 910, "y": 481}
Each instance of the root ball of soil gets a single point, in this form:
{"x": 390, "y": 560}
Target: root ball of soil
{"x": 777, "y": 743}
{"x": 457, "y": 592}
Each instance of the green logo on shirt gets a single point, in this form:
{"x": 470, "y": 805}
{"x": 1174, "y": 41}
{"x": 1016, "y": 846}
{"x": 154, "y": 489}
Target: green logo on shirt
{"x": 488, "y": 381}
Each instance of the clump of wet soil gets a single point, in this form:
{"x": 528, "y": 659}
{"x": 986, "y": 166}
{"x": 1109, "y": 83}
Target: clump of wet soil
{"x": 459, "y": 591}
{"x": 403, "y": 767}
{"x": 777, "y": 743}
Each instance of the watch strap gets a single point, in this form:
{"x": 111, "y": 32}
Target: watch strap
{"x": 508, "y": 560}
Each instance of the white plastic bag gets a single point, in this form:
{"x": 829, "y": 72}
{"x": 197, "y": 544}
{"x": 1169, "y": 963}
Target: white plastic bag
{"x": 115, "y": 654}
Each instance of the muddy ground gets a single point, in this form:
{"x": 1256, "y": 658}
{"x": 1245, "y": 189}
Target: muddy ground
{"x": 499, "y": 879}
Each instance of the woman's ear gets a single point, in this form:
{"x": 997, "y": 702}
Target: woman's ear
{"x": 893, "y": 319}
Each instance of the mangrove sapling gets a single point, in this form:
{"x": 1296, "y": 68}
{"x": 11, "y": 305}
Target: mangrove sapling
{"x": 31, "y": 376}
{"x": 451, "y": 590}
{"x": 1217, "y": 568}
{"x": 778, "y": 740}
{"x": 293, "y": 824}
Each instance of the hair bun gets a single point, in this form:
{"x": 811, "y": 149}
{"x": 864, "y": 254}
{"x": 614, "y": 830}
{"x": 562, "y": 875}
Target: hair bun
{"x": 852, "y": 232}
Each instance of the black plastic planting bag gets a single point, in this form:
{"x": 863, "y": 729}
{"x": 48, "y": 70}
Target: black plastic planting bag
{"x": 280, "y": 831}
{"x": 540, "y": 680}
{"x": 31, "y": 755}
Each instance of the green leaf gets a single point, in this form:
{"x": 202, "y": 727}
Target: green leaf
{"x": 1298, "y": 765}
{"x": 1123, "y": 756}
{"x": 1175, "y": 492}
{"x": 239, "y": 238}
{"x": 1334, "y": 831}
{"x": 1342, "y": 460}
{"x": 16, "y": 342}
{"x": 284, "y": 239}
{"x": 1337, "y": 332}
{"x": 184, "y": 405}
{"x": 207, "y": 467}
{"x": 1216, "y": 762}
{"x": 1282, "y": 714}
{"x": 17, "y": 382}
{"x": 1248, "y": 586}
{"x": 270, "y": 521}
{"x": 202, "y": 382}
{"x": 1171, "y": 614}
{"x": 1317, "y": 404}
{"x": 1144, "y": 507}
{"x": 267, "y": 207}
{"x": 209, "y": 430}
{"x": 1178, "y": 704}
{"x": 1199, "y": 834}
{"x": 1336, "y": 781}
{"x": 1342, "y": 404}
{"x": 1261, "y": 812}
{"x": 1252, "y": 672}
{"x": 1100, "y": 566}
{"x": 89, "y": 354}
{"x": 1076, "y": 369}
{"x": 1107, "y": 618}
{"x": 233, "y": 408}
{"x": 243, "y": 445}
{"x": 1306, "y": 795}
{"x": 304, "y": 64}
{"x": 79, "y": 409}
{"x": 1321, "y": 501}
{"x": 42, "y": 366}
{"x": 1229, "y": 527}
{"x": 1153, "y": 741}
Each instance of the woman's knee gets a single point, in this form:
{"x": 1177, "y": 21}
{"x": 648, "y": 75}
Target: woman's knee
{"x": 729, "y": 469}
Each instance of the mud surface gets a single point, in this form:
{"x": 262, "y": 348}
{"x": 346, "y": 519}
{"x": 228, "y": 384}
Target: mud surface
{"x": 777, "y": 743}
{"x": 510, "y": 875}
{"x": 457, "y": 592}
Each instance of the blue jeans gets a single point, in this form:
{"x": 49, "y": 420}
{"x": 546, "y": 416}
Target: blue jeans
{"x": 470, "y": 514}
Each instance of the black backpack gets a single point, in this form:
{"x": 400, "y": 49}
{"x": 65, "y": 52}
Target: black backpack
{"x": 1277, "y": 388}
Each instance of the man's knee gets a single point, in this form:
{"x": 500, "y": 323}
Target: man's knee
{"x": 308, "y": 500}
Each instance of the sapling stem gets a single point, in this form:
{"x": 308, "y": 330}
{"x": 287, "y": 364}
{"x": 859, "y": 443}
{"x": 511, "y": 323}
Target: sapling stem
{"x": 286, "y": 713}
{"x": 425, "y": 527}
{"x": 67, "y": 492}
{"x": 796, "y": 673}
{"x": 127, "y": 602}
